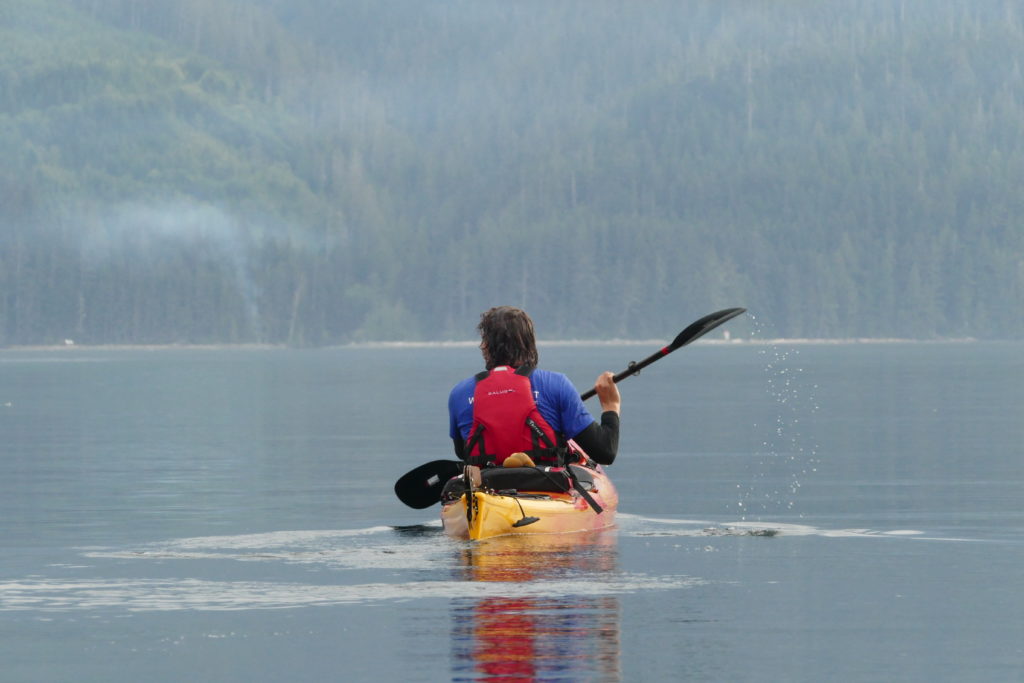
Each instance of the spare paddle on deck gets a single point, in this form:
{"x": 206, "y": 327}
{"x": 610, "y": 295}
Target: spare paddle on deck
{"x": 420, "y": 488}
{"x": 694, "y": 331}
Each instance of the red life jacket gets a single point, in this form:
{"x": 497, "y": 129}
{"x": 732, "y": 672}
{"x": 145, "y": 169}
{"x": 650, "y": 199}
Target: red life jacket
{"x": 506, "y": 420}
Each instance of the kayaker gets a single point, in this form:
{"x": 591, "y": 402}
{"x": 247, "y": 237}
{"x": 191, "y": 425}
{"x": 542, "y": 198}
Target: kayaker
{"x": 552, "y": 404}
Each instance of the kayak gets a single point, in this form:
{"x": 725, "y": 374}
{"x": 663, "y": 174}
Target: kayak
{"x": 514, "y": 501}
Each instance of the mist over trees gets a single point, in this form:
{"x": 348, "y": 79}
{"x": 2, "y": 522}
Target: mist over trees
{"x": 323, "y": 171}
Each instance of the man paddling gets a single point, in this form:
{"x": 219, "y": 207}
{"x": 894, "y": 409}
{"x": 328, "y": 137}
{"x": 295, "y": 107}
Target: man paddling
{"x": 503, "y": 329}
{"x": 513, "y": 407}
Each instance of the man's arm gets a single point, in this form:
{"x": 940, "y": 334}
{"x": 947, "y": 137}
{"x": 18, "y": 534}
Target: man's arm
{"x": 601, "y": 441}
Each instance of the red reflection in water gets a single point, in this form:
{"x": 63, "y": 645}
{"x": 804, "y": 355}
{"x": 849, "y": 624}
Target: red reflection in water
{"x": 522, "y": 638}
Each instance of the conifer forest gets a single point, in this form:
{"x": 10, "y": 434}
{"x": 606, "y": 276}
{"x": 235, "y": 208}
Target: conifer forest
{"x": 318, "y": 172}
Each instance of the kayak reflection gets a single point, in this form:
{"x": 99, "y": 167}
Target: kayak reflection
{"x": 527, "y": 632}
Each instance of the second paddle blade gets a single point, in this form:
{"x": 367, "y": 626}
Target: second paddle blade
{"x": 420, "y": 488}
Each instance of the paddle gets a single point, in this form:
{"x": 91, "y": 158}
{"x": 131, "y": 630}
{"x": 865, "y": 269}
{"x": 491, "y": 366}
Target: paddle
{"x": 694, "y": 331}
{"x": 420, "y": 488}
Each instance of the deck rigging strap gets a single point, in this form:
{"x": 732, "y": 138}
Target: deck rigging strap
{"x": 583, "y": 492}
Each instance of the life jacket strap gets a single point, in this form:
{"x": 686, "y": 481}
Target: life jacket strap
{"x": 482, "y": 457}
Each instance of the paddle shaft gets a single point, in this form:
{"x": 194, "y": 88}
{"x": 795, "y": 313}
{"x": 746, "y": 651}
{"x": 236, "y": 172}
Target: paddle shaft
{"x": 633, "y": 369}
{"x": 693, "y": 331}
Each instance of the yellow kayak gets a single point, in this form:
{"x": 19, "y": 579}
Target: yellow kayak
{"x": 510, "y": 510}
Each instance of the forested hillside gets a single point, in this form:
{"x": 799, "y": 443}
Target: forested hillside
{"x": 323, "y": 171}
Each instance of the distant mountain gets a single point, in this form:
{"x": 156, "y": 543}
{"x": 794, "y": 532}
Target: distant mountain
{"x": 321, "y": 171}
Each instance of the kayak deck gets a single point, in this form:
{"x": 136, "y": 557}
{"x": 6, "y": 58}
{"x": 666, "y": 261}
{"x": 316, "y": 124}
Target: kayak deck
{"x": 531, "y": 512}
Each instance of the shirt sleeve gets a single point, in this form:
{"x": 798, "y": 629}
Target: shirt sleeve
{"x": 601, "y": 442}
{"x": 560, "y": 403}
{"x": 575, "y": 416}
{"x": 460, "y": 409}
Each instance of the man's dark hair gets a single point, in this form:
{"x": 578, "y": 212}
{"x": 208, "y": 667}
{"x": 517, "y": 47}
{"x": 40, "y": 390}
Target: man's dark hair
{"x": 507, "y": 337}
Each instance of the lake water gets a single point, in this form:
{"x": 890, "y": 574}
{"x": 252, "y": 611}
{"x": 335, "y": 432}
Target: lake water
{"x": 799, "y": 513}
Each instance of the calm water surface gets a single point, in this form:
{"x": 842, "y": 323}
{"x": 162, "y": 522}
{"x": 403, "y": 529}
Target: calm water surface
{"x": 799, "y": 513}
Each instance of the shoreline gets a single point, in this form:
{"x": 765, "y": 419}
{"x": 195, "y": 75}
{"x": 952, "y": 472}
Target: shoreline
{"x": 782, "y": 341}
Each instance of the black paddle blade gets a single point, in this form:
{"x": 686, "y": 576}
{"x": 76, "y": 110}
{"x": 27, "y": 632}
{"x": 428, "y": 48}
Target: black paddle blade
{"x": 420, "y": 488}
{"x": 699, "y": 328}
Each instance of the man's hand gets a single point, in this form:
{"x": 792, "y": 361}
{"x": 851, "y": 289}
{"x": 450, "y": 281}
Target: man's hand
{"x": 608, "y": 393}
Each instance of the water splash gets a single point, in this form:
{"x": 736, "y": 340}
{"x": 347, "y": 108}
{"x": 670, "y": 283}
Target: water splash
{"x": 785, "y": 454}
